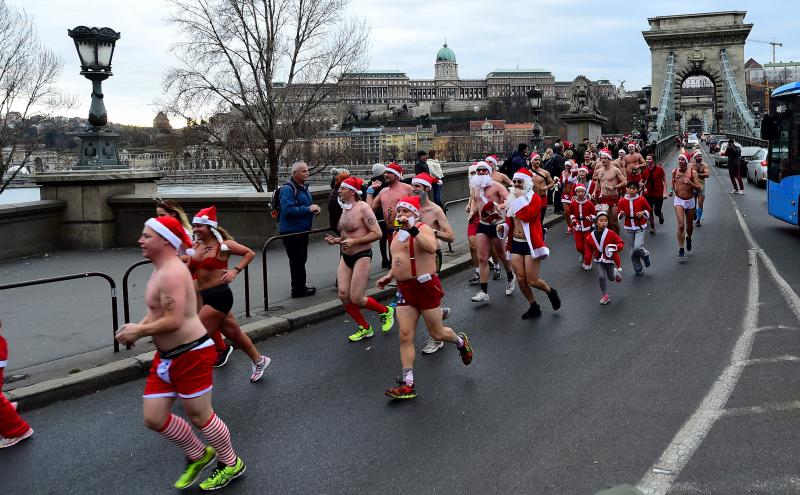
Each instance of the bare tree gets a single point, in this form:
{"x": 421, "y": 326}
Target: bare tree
{"x": 268, "y": 69}
{"x": 28, "y": 96}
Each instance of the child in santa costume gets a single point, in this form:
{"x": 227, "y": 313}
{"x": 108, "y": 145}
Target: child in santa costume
{"x": 585, "y": 180}
{"x": 13, "y": 429}
{"x": 603, "y": 246}
{"x": 634, "y": 213}
{"x": 569, "y": 177}
{"x": 582, "y": 214}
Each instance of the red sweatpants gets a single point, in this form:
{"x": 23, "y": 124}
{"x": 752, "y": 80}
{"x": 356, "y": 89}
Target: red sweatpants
{"x": 11, "y": 425}
{"x": 580, "y": 240}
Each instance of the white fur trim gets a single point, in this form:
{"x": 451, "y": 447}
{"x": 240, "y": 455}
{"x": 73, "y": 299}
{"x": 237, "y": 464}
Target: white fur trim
{"x": 521, "y": 176}
{"x": 423, "y": 182}
{"x": 483, "y": 165}
{"x": 395, "y": 172}
{"x": 406, "y": 205}
{"x": 344, "y": 184}
{"x": 3, "y": 364}
{"x": 204, "y": 221}
{"x": 196, "y": 394}
{"x": 164, "y": 232}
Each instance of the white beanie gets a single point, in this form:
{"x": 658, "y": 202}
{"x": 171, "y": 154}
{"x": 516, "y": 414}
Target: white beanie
{"x": 378, "y": 169}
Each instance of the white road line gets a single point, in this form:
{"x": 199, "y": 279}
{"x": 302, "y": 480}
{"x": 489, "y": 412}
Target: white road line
{"x": 786, "y": 358}
{"x": 766, "y": 408}
{"x": 776, "y": 327}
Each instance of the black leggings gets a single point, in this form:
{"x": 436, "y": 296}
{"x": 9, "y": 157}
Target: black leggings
{"x": 219, "y": 298}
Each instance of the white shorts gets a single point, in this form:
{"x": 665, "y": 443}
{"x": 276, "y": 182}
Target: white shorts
{"x": 686, "y": 204}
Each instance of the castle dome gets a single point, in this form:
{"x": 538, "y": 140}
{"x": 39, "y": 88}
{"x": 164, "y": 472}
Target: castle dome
{"x": 445, "y": 54}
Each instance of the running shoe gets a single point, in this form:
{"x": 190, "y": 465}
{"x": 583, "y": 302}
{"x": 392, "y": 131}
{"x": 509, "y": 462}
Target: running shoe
{"x": 533, "y": 311}
{"x": 638, "y": 272}
{"x": 432, "y": 345}
{"x": 652, "y": 231}
{"x": 480, "y": 297}
{"x": 476, "y": 279}
{"x": 555, "y": 301}
{"x": 402, "y": 391}
{"x": 223, "y": 356}
{"x": 605, "y": 299}
{"x": 223, "y": 475}
{"x": 681, "y": 255}
{"x": 361, "y": 333}
{"x": 741, "y": 192}
{"x": 646, "y": 260}
{"x": 465, "y": 350}
{"x": 698, "y": 224}
{"x": 497, "y": 273}
{"x": 445, "y": 313}
{"x": 735, "y": 191}
{"x": 511, "y": 285}
{"x": 259, "y": 367}
{"x": 688, "y": 243}
{"x": 387, "y": 319}
{"x": 10, "y": 442}
{"x": 661, "y": 219}
{"x": 618, "y": 275}
{"x": 194, "y": 468}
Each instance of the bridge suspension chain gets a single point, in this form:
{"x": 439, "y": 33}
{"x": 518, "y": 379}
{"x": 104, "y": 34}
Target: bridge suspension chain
{"x": 739, "y": 118}
{"x": 665, "y": 118}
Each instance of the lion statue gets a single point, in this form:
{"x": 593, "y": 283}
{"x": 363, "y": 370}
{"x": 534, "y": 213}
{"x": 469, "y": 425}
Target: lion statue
{"x": 581, "y": 98}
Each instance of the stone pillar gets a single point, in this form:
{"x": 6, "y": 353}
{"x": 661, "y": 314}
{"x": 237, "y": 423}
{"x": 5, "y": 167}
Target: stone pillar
{"x": 88, "y": 221}
{"x": 583, "y": 125}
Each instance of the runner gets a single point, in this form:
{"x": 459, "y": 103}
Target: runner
{"x": 634, "y": 161}
{"x": 527, "y": 244}
{"x": 419, "y": 292}
{"x": 582, "y": 215}
{"x": 209, "y": 266}
{"x": 434, "y": 217}
{"x": 497, "y": 175}
{"x": 655, "y": 190}
{"x": 609, "y": 180}
{"x": 13, "y": 429}
{"x": 684, "y": 183}
{"x": 387, "y": 198}
{"x": 585, "y": 181}
{"x": 182, "y": 367}
{"x": 358, "y": 229}
{"x": 569, "y": 177}
{"x": 472, "y": 230}
{"x": 603, "y": 246}
{"x": 542, "y": 182}
{"x": 167, "y": 208}
{"x": 634, "y": 211}
{"x": 490, "y": 197}
{"x": 702, "y": 170}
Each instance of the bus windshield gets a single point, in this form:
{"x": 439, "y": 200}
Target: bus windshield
{"x": 783, "y": 156}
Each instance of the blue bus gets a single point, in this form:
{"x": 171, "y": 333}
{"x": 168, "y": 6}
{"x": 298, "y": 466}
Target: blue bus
{"x": 782, "y": 129}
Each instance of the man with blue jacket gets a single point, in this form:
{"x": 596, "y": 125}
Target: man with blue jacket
{"x": 297, "y": 214}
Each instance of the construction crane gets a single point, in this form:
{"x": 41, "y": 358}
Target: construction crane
{"x": 773, "y": 43}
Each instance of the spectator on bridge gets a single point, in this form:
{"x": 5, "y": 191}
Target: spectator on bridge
{"x": 518, "y": 159}
{"x": 297, "y": 215}
{"x": 13, "y": 429}
{"x": 734, "y": 155}
{"x": 422, "y": 166}
{"x": 436, "y": 171}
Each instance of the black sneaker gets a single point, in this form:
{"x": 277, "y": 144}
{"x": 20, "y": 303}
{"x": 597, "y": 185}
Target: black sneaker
{"x": 698, "y": 224}
{"x": 533, "y": 311}
{"x": 222, "y": 357}
{"x": 688, "y": 243}
{"x": 555, "y": 301}
{"x": 660, "y": 218}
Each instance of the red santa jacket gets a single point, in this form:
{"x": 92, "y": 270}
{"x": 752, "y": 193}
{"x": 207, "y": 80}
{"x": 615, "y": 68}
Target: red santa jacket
{"x": 528, "y": 209}
{"x": 3, "y": 353}
{"x": 629, "y": 207}
{"x": 582, "y": 214}
{"x": 603, "y": 251}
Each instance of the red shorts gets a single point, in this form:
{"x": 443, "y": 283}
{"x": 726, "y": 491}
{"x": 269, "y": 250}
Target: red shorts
{"x": 418, "y": 295}
{"x": 609, "y": 200}
{"x": 187, "y": 376}
{"x": 472, "y": 226}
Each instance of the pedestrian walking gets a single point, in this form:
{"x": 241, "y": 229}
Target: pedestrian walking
{"x": 297, "y": 213}
{"x": 734, "y": 155}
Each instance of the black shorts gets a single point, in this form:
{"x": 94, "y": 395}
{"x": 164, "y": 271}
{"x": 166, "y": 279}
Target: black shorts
{"x": 350, "y": 259}
{"x": 520, "y": 247}
{"x": 219, "y": 298}
{"x": 656, "y": 203}
{"x": 487, "y": 229}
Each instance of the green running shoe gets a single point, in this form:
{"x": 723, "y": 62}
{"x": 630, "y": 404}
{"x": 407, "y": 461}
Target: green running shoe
{"x": 361, "y": 333}
{"x": 194, "y": 468}
{"x": 223, "y": 475}
{"x": 387, "y": 319}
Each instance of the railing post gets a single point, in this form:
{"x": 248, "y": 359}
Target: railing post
{"x": 247, "y": 291}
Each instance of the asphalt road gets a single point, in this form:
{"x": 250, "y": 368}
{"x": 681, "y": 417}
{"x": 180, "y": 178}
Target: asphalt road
{"x": 576, "y": 401}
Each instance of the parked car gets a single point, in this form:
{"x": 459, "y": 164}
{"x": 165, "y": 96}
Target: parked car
{"x": 757, "y": 168}
{"x": 722, "y": 159}
{"x": 692, "y": 141}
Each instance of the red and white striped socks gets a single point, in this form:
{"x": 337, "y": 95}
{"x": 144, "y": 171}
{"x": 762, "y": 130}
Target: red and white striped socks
{"x": 217, "y": 434}
{"x": 178, "y": 431}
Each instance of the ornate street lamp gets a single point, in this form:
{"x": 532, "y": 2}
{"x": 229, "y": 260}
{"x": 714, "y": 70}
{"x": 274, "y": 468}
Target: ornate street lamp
{"x": 535, "y": 101}
{"x": 95, "y": 47}
{"x": 643, "y": 112}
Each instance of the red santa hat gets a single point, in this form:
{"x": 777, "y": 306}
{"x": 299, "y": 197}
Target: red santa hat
{"x": 523, "y": 174}
{"x": 426, "y": 180}
{"x": 683, "y": 157}
{"x": 170, "y": 228}
{"x": 491, "y": 159}
{"x": 605, "y": 152}
{"x": 528, "y": 209}
{"x": 409, "y": 203}
{"x": 695, "y": 153}
{"x": 483, "y": 165}
{"x": 208, "y": 216}
{"x": 534, "y": 156}
{"x": 395, "y": 169}
{"x": 354, "y": 184}
{"x": 580, "y": 186}
{"x": 583, "y": 169}
{"x": 473, "y": 167}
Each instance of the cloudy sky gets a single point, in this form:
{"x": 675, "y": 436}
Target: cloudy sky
{"x": 567, "y": 37}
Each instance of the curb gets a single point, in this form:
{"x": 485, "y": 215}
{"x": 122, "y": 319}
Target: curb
{"x": 93, "y": 380}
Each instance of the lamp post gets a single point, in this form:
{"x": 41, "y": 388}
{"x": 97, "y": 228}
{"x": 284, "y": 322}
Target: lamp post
{"x": 719, "y": 115}
{"x": 535, "y": 101}
{"x": 95, "y": 47}
{"x": 643, "y": 113}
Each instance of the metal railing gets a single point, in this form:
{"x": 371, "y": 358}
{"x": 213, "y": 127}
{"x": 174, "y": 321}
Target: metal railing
{"x": 50, "y": 280}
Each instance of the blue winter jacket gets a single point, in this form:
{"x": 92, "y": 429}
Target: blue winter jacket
{"x": 296, "y": 213}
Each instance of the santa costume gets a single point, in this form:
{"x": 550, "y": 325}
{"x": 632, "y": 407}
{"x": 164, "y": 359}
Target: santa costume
{"x": 582, "y": 215}
{"x": 528, "y": 209}
{"x": 603, "y": 247}
{"x": 13, "y": 429}
{"x": 635, "y": 226}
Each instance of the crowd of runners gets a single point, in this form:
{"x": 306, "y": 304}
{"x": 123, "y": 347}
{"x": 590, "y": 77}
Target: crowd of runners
{"x": 606, "y": 202}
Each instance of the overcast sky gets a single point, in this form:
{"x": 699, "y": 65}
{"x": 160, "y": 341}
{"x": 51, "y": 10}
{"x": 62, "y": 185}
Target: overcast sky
{"x": 567, "y": 37}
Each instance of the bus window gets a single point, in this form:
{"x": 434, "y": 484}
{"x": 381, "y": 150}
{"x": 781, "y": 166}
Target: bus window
{"x": 779, "y": 149}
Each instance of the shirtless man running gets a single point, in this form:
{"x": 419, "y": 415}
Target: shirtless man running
{"x": 633, "y": 159}
{"x": 609, "y": 180}
{"x": 702, "y": 170}
{"x": 388, "y": 196}
{"x": 419, "y": 292}
{"x": 542, "y": 182}
{"x": 434, "y": 217}
{"x": 497, "y": 175}
{"x": 358, "y": 229}
{"x": 489, "y": 198}
{"x": 684, "y": 184}
{"x": 184, "y": 362}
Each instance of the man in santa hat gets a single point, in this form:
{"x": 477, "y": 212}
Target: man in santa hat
{"x": 497, "y": 175}
{"x": 634, "y": 212}
{"x": 527, "y": 244}
{"x": 183, "y": 365}
{"x": 488, "y": 201}
{"x": 542, "y": 183}
{"x": 393, "y": 190}
{"x": 702, "y": 170}
{"x": 609, "y": 180}
{"x": 634, "y": 162}
{"x": 358, "y": 229}
{"x": 419, "y": 292}
{"x": 582, "y": 215}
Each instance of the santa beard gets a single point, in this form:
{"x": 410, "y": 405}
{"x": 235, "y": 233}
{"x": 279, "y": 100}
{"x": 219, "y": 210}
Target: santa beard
{"x": 344, "y": 205}
{"x": 480, "y": 181}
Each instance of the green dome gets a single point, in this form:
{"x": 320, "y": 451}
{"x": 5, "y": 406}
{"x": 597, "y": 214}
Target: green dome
{"x": 445, "y": 55}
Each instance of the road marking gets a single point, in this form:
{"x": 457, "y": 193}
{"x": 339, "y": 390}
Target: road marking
{"x": 660, "y": 477}
{"x": 776, "y": 327}
{"x": 766, "y": 408}
{"x": 786, "y": 358}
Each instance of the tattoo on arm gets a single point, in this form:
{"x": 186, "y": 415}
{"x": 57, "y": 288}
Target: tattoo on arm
{"x": 169, "y": 304}
{"x": 371, "y": 221}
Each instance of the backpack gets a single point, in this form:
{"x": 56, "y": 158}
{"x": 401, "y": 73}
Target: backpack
{"x": 275, "y": 204}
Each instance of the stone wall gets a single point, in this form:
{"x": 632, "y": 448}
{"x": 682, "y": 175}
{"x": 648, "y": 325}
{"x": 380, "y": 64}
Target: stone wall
{"x": 30, "y": 228}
